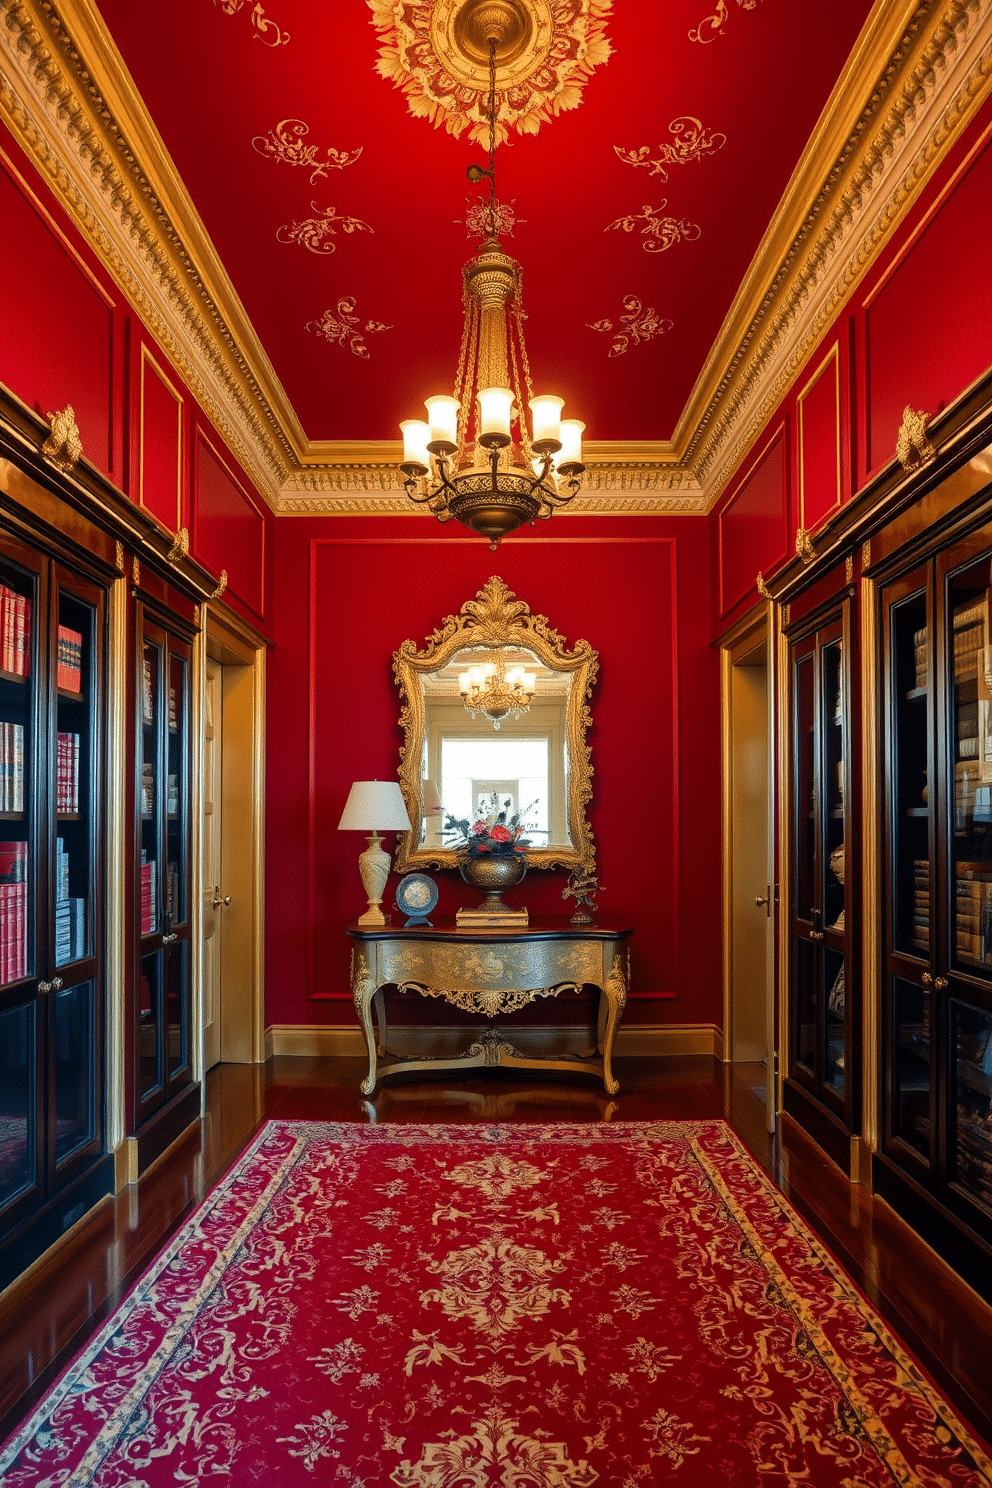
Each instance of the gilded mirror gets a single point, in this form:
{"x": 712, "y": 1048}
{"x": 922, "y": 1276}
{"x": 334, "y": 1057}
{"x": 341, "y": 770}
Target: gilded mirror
{"x": 528, "y": 751}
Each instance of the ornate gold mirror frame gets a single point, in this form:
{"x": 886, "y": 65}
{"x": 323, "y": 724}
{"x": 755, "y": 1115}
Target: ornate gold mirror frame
{"x": 496, "y": 619}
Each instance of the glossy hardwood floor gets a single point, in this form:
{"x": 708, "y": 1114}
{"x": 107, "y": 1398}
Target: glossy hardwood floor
{"x": 51, "y": 1312}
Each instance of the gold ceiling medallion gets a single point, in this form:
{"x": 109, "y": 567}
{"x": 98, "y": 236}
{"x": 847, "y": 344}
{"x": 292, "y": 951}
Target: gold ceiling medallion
{"x": 804, "y": 546}
{"x": 636, "y": 326}
{"x": 913, "y": 446}
{"x": 63, "y": 448}
{"x": 436, "y": 52}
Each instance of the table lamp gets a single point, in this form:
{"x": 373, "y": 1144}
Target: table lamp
{"x": 374, "y": 806}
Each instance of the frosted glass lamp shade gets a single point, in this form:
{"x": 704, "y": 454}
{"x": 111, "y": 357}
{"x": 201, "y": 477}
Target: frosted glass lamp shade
{"x": 495, "y": 404}
{"x": 415, "y": 436}
{"x": 546, "y": 419}
{"x": 374, "y": 806}
{"x": 571, "y": 443}
{"x": 442, "y": 412}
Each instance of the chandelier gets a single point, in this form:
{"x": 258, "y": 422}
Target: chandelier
{"x": 494, "y": 691}
{"x": 473, "y": 459}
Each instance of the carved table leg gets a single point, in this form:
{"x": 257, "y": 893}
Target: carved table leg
{"x": 614, "y": 999}
{"x": 363, "y": 989}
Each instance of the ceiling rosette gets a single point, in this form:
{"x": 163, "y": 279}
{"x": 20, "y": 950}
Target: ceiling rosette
{"x": 436, "y": 52}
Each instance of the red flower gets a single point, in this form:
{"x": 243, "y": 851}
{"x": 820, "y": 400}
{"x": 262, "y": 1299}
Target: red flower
{"x": 478, "y": 829}
{"x": 482, "y": 847}
{"x": 501, "y": 834}
{"x": 520, "y": 847}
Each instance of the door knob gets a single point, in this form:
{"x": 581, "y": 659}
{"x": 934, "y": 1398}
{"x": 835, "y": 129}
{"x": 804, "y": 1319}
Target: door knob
{"x": 219, "y": 901}
{"x": 939, "y": 983}
{"x": 760, "y": 899}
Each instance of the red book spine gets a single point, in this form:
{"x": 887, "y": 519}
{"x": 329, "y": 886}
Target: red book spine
{"x": 6, "y": 621}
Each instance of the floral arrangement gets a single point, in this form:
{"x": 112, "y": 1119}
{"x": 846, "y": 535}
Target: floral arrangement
{"x": 495, "y": 832}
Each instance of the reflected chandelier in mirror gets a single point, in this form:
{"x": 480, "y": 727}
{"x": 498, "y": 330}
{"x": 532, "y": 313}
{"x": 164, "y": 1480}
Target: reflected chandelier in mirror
{"x": 468, "y": 747}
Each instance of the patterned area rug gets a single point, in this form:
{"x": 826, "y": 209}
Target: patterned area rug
{"x": 502, "y": 1307}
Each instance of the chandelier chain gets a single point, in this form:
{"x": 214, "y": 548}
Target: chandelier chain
{"x": 492, "y": 118}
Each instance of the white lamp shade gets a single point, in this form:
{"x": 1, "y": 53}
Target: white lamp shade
{"x": 415, "y": 436}
{"x": 546, "y": 418}
{"x": 442, "y": 413}
{"x": 374, "y": 806}
{"x": 495, "y": 404}
{"x": 571, "y": 442}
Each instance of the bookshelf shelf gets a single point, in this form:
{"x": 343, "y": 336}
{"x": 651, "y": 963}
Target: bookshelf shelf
{"x": 12, "y": 815}
{"x": 70, "y": 697}
{"x": 916, "y": 694}
{"x": 14, "y": 677}
{"x": 920, "y": 812}
{"x": 69, "y": 816}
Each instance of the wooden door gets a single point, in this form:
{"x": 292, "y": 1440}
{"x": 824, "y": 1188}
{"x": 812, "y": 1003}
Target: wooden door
{"x": 213, "y": 716}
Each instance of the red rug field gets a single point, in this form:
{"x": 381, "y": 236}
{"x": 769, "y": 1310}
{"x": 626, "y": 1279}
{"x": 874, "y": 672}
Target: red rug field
{"x": 503, "y": 1307}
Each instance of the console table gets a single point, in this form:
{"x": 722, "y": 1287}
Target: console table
{"x": 489, "y": 972}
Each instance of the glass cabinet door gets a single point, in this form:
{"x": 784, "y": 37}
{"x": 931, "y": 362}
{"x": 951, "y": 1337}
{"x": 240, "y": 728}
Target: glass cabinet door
{"x": 965, "y": 1010}
{"x": 162, "y": 1015}
{"x": 819, "y": 1002}
{"x": 22, "y": 1034}
{"x": 911, "y": 869}
{"x": 75, "y": 1003}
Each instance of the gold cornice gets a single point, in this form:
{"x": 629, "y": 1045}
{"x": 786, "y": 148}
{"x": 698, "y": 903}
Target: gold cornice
{"x": 918, "y": 73}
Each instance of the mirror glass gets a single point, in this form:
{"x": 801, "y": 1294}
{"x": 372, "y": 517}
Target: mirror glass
{"x": 517, "y": 764}
{"x": 530, "y": 761}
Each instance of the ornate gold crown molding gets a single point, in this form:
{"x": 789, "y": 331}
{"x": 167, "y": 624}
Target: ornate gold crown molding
{"x": 921, "y": 69}
{"x": 934, "y": 81}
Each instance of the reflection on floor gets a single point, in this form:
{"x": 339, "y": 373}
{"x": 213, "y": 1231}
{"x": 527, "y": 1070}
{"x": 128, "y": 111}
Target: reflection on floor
{"x": 49, "y": 1314}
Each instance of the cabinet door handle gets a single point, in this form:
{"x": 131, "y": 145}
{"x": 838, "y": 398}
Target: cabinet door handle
{"x": 168, "y": 939}
{"x": 939, "y": 983}
{"x": 926, "y": 979}
{"x": 816, "y": 935}
{"x": 55, "y": 985}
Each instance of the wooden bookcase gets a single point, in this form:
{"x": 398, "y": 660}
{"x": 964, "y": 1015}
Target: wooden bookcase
{"x": 53, "y": 636}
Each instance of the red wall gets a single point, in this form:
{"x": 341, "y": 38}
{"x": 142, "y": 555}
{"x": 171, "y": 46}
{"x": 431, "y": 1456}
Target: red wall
{"x": 917, "y": 331}
{"x": 68, "y": 335}
{"x": 348, "y": 592}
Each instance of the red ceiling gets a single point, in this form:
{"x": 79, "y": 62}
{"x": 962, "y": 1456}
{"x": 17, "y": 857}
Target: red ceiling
{"x": 212, "y": 85}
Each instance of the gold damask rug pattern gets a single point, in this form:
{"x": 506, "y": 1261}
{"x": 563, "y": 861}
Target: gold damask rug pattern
{"x": 499, "y": 1307}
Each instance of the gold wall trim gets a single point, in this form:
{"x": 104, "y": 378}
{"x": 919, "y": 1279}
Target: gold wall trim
{"x": 832, "y": 357}
{"x": 148, "y": 361}
{"x": 920, "y": 70}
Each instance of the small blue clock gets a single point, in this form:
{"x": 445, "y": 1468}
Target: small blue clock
{"x": 416, "y": 896}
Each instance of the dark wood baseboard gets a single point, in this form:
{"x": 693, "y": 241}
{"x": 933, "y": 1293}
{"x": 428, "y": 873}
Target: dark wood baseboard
{"x": 826, "y": 1129}
{"x": 160, "y": 1131}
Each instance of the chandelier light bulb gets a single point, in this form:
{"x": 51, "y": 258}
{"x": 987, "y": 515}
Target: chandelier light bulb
{"x": 570, "y": 456}
{"x": 495, "y": 404}
{"x": 442, "y": 412}
{"x": 546, "y": 417}
{"x": 415, "y": 437}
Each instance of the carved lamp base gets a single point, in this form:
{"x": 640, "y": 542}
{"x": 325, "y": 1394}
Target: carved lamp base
{"x": 373, "y": 865}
